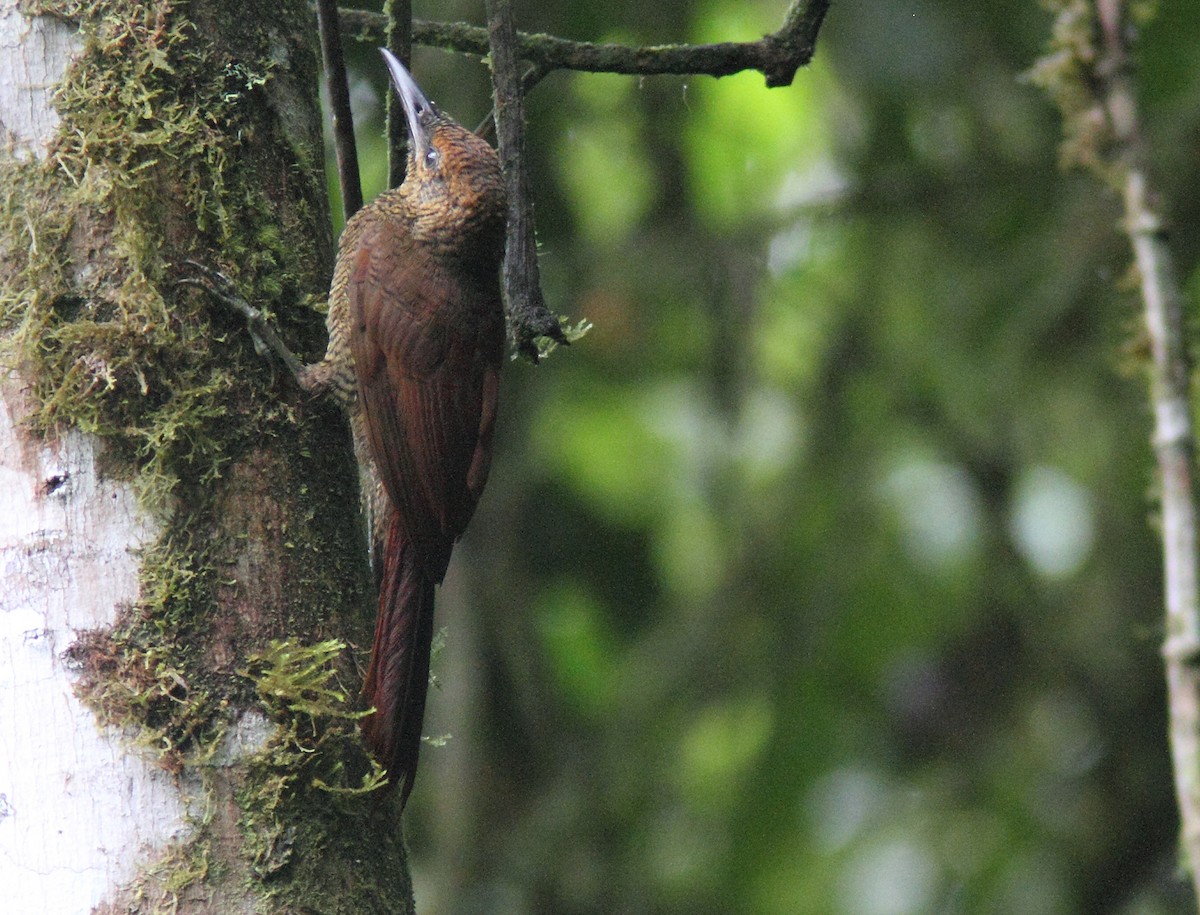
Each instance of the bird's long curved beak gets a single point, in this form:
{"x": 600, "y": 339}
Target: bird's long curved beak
{"x": 417, "y": 108}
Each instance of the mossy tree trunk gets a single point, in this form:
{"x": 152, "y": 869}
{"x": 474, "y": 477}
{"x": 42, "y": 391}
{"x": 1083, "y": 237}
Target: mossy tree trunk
{"x": 181, "y": 557}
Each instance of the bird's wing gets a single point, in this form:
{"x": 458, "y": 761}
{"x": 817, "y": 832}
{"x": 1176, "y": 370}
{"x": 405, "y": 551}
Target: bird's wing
{"x": 427, "y": 352}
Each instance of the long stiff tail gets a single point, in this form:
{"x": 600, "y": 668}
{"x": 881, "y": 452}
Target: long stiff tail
{"x": 398, "y": 676}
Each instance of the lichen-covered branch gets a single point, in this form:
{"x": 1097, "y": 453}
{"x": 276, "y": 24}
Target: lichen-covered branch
{"x": 1174, "y": 438}
{"x": 777, "y": 56}
{"x": 1089, "y": 72}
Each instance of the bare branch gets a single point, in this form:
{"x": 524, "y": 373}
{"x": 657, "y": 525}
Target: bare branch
{"x": 398, "y": 16}
{"x": 339, "y": 103}
{"x": 777, "y": 56}
{"x": 528, "y": 316}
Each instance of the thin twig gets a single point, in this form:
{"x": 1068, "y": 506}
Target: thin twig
{"x": 339, "y": 103}
{"x": 777, "y": 56}
{"x": 398, "y": 34}
{"x": 487, "y": 127}
{"x": 1174, "y": 438}
{"x": 528, "y": 315}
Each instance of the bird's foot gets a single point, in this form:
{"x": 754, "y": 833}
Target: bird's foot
{"x": 221, "y": 288}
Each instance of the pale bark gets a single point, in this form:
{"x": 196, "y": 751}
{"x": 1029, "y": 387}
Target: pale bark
{"x": 91, "y": 818}
{"x": 79, "y": 815}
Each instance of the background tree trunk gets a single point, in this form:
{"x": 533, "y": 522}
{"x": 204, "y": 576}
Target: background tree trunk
{"x": 180, "y": 548}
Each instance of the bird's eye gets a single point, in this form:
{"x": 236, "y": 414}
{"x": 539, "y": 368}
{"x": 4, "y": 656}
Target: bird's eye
{"x": 432, "y": 157}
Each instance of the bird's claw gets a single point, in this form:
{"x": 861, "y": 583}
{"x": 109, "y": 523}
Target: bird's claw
{"x": 222, "y": 288}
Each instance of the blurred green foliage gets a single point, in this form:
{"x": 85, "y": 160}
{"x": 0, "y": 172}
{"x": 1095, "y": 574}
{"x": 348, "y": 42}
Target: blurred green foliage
{"x": 821, "y": 576}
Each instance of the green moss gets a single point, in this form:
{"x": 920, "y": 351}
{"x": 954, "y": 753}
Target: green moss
{"x": 544, "y": 346}
{"x": 298, "y": 685}
{"x": 167, "y": 147}
{"x": 141, "y": 674}
{"x": 152, "y": 116}
{"x": 1070, "y": 73}
{"x": 157, "y": 891}
{"x": 312, "y": 774}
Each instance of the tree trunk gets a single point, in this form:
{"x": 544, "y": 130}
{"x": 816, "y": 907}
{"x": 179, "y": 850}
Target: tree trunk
{"x": 181, "y": 556}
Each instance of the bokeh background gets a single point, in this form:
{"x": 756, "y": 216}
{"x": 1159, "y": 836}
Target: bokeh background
{"x": 821, "y": 576}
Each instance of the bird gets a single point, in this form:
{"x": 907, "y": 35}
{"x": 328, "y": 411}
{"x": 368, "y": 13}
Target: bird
{"x": 416, "y": 341}
{"x": 416, "y": 330}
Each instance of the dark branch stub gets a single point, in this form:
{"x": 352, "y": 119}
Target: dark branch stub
{"x": 797, "y": 40}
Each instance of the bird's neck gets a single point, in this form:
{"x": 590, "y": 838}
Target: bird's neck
{"x": 463, "y": 239}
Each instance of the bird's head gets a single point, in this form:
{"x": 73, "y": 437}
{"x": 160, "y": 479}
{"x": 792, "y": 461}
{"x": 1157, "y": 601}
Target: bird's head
{"x": 453, "y": 184}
